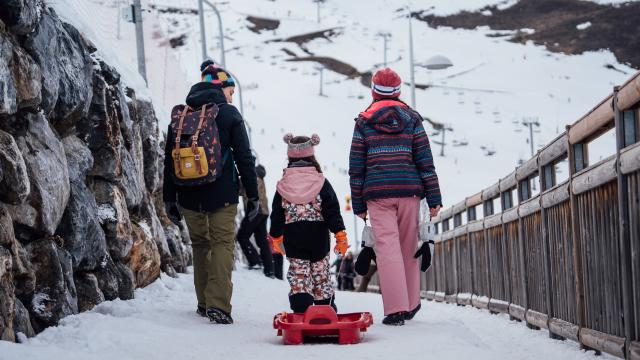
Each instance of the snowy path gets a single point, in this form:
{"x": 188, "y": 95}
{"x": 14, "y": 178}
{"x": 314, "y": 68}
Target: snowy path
{"x": 161, "y": 324}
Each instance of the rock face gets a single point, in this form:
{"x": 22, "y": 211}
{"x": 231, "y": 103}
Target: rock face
{"x": 80, "y": 225}
{"x": 66, "y": 69}
{"x": 55, "y": 293}
{"x": 7, "y": 297}
{"x": 14, "y": 181}
{"x": 21, "y": 15}
{"x": 46, "y": 164}
{"x": 81, "y": 216}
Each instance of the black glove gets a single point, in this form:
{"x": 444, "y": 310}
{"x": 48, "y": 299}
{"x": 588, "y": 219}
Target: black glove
{"x": 173, "y": 213}
{"x": 363, "y": 262}
{"x": 253, "y": 208}
{"x": 425, "y": 252}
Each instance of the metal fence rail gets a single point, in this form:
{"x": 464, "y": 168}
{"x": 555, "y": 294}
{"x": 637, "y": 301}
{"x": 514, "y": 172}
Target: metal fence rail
{"x": 566, "y": 259}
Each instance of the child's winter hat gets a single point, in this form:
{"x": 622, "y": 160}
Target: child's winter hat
{"x": 385, "y": 84}
{"x": 212, "y": 73}
{"x": 302, "y": 150}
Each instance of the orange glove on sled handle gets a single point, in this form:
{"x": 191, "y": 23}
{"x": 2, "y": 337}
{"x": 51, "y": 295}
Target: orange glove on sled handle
{"x": 342, "y": 243}
{"x": 275, "y": 243}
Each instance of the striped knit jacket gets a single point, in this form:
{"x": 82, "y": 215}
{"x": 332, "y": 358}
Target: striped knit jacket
{"x": 391, "y": 157}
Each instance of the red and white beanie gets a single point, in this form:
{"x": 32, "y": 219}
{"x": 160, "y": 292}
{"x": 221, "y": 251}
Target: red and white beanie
{"x": 385, "y": 84}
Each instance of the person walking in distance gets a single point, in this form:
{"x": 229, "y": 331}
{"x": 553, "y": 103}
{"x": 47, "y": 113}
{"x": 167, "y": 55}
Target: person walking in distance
{"x": 391, "y": 169}
{"x": 258, "y": 228}
{"x": 206, "y": 142}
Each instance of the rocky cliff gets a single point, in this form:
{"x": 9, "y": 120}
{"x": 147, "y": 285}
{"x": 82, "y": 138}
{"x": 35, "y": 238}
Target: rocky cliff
{"x": 81, "y": 217}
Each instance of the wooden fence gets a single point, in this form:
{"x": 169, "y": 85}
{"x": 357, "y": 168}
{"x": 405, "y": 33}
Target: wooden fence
{"x": 567, "y": 259}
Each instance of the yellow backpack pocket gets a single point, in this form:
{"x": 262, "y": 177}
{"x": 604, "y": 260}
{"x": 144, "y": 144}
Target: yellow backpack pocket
{"x": 189, "y": 165}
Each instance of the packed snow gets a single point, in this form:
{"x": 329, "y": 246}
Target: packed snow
{"x": 161, "y": 323}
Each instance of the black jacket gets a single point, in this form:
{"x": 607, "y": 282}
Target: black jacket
{"x": 235, "y": 150}
{"x": 308, "y": 240}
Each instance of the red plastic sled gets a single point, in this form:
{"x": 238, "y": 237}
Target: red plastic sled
{"x": 321, "y": 321}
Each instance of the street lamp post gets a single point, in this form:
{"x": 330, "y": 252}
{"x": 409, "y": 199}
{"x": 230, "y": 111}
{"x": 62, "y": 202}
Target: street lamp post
{"x": 437, "y": 62}
{"x": 412, "y": 64}
{"x": 203, "y": 38}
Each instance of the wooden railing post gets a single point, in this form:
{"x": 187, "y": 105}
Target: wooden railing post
{"x": 546, "y": 255}
{"x": 577, "y": 250}
{"x": 522, "y": 262}
{"x": 624, "y": 241}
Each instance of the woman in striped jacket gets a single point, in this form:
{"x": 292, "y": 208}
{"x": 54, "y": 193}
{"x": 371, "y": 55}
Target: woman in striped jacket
{"x": 391, "y": 169}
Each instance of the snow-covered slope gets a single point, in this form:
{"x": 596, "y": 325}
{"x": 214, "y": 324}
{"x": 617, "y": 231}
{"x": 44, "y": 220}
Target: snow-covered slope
{"x": 160, "y": 323}
{"x": 492, "y": 86}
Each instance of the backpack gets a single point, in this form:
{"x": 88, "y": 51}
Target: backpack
{"x": 197, "y": 154}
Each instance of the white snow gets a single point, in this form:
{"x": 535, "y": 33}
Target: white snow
{"x": 39, "y": 303}
{"x": 106, "y": 212}
{"x": 160, "y": 323}
{"x": 583, "y": 25}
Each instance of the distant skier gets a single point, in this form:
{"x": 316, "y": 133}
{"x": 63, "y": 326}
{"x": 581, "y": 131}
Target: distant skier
{"x": 391, "y": 168}
{"x": 305, "y": 209}
{"x": 258, "y": 228}
{"x": 206, "y": 142}
{"x": 347, "y": 272}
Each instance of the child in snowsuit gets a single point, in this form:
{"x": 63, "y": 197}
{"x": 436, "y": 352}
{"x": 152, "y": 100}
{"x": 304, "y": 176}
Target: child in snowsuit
{"x": 305, "y": 209}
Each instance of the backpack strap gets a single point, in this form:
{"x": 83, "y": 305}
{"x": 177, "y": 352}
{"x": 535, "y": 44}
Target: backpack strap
{"x": 194, "y": 139}
{"x": 177, "y": 141}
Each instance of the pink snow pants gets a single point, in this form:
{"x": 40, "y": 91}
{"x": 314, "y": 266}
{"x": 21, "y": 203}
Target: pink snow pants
{"x": 395, "y": 227}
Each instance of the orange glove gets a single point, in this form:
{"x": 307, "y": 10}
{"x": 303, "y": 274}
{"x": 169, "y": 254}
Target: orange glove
{"x": 275, "y": 244}
{"x": 342, "y": 244}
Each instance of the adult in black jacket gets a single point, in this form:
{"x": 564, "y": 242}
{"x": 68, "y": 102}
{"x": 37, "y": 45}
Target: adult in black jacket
{"x": 210, "y": 210}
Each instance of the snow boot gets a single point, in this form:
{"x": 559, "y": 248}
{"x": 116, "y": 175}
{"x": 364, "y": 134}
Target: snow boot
{"x": 219, "y": 316}
{"x": 395, "y": 319}
{"x": 300, "y": 302}
{"x": 410, "y": 314}
{"x": 201, "y": 311}
{"x": 330, "y": 301}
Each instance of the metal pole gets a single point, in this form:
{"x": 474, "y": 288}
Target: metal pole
{"x": 203, "y": 37}
{"x": 142, "y": 68}
{"x": 531, "y": 136}
{"x": 222, "y": 55}
{"x": 221, "y": 33}
{"x": 321, "y": 94}
{"x": 119, "y": 16}
{"x": 385, "y": 49}
{"x": 411, "y": 64}
{"x": 444, "y": 130}
{"x": 318, "y": 11}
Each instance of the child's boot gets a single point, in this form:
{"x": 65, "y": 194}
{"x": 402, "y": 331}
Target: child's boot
{"x": 300, "y": 302}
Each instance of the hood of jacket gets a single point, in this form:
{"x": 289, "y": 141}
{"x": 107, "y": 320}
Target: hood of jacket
{"x": 300, "y": 185}
{"x": 205, "y": 93}
{"x": 388, "y": 116}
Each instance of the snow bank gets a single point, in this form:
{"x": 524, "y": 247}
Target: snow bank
{"x": 160, "y": 323}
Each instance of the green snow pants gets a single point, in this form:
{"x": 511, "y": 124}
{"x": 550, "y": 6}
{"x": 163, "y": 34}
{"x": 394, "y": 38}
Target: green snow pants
{"x": 213, "y": 240}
